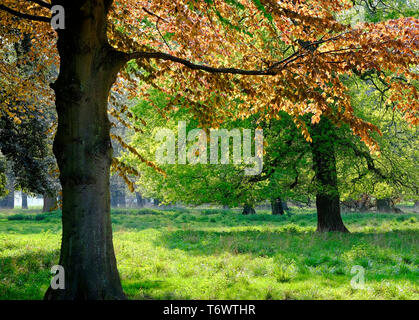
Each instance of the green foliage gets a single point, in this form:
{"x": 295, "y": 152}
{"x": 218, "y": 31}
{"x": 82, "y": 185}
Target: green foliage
{"x": 192, "y": 184}
{"x": 26, "y": 135}
{"x": 286, "y": 171}
{"x": 288, "y": 164}
{"x": 393, "y": 172}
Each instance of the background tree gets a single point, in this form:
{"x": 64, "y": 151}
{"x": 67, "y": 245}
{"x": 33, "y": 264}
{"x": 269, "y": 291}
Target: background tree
{"x": 26, "y": 128}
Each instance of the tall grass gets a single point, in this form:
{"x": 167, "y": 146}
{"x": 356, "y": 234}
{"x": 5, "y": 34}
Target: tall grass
{"x": 221, "y": 254}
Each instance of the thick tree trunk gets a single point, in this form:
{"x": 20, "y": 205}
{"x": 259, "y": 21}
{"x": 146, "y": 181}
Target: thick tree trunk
{"x": 248, "y": 209}
{"x": 82, "y": 146}
{"x": 24, "y": 200}
{"x": 50, "y": 203}
{"x": 324, "y": 165}
{"x": 277, "y": 206}
{"x": 156, "y": 202}
{"x": 140, "y": 200}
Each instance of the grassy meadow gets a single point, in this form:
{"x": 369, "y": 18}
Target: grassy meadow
{"x": 221, "y": 254}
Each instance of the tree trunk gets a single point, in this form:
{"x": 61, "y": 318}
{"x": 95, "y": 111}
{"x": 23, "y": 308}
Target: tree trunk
{"x": 387, "y": 206}
{"x": 24, "y": 200}
{"x": 248, "y": 209}
{"x": 156, "y": 202}
{"x": 364, "y": 203}
{"x": 82, "y": 146}
{"x": 140, "y": 200}
{"x": 114, "y": 198}
{"x": 277, "y": 207}
{"x": 50, "y": 203}
{"x": 8, "y": 202}
{"x": 324, "y": 165}
{"x": 122, "y": 203}
{"x": 384, "y": 205}
{"x": 416, "y": 206}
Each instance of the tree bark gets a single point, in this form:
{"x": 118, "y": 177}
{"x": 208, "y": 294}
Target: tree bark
{"x": 122, "y": 203}
{"x": 24, "y": 200}
{"x": 386, "y": 205}
{"x": 277, "y": 206}
{"x": 114, "y": 196}
{"x": 8, "y": 202}
{"x": 140, "y": 200}
{"x": 156, "y": 202}
{"x": 82, "y": 146}
{"x": 324, "y": 165}
{"x": 364, "y": 202}
{"x": 248, "y": 209}
{"x": 50, "y": 203}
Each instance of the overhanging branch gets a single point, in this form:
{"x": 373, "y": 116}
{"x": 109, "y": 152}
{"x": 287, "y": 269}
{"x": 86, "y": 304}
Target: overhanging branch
{"x": 191, "y": 65}
{"x": 271, "y": 70}
{"x": 24, "y": 15}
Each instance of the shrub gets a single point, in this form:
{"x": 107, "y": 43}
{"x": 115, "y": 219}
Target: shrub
{"x": 285, "y": 269}
{"x": 20, "y": 217}
{"x": 212, "y": 211}
{"x": 34, "y": 217}
{"x": 136, "y": 211}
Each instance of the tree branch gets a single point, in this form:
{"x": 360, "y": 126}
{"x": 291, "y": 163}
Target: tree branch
{"x": 108, "y": 5}
{"x": 153, "y": 14}
{"x": 41, "y": 3}
{"x": 194, "y": 66}
{"x": 24, "y": 15}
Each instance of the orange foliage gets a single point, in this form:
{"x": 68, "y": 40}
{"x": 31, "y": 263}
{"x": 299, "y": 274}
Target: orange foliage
{"x": 236, "y": 58}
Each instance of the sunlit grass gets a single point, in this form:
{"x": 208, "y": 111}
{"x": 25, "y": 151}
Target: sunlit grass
{"x": 221, "y": 254}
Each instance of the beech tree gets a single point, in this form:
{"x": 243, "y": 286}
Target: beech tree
{"x": 192, "y": 184}
{"x": 389, "y": 175}
{"x": 25, "y": 129}
{"x": 268, "y": 55}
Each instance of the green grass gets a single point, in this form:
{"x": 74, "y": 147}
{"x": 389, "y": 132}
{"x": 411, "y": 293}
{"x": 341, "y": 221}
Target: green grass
{"x": 220, "y": 254}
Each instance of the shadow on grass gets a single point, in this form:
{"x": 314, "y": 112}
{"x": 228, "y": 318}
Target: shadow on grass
{"x": 288, "y": 240}
{"x": 157, "y": 219}
{"x": 26, "y": 276}
{"x": 233, "y": 219}
{"x": 150, "y": 290}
